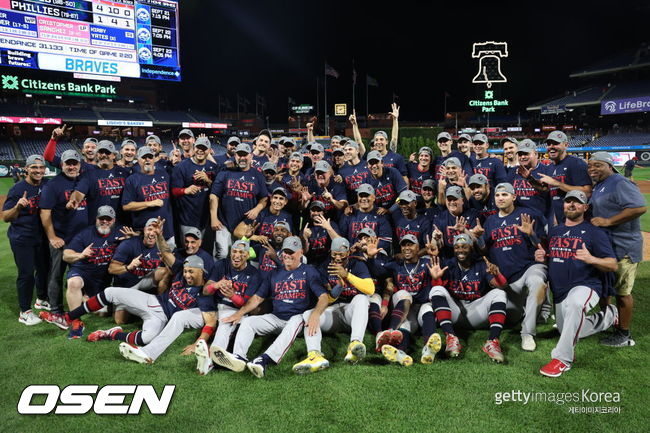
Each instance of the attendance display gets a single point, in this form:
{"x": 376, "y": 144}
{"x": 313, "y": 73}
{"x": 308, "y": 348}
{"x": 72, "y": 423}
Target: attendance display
{"x": 123, "y": 38}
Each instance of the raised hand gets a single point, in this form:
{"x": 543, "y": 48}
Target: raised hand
{"x": 540, "y": 254}
{"x": 524, "y": 172}
{"x": 431, "y": 246}
{"x": 327, "y": 195}
{"x": 72, "y": 204}
{"x": 128, "y": 232}
{"x": 23, "y": 202}
{"x": 584, "y": 255}
{"x": 478, "y": 229}
{"x": 353, "y": 117}
{"x": 461, "y": 224}
{"x": 372, "y": 246}
{"x": 251, "y": 229}
{"x": 435, "y": 270}
{"x": 437, "y": 234}
{"x": 527, "y": 224}
{"x": 492, "y": 269}
{"x": 306, "y": 232}
{"x": 59, "y": 132}
{"x": 394, "y": 111}
{"x": 413, "y": 157}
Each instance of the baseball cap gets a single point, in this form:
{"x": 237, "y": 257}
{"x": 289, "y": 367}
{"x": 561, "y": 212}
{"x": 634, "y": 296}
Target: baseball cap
{"x": 296, "y": 155}
{"x": 367, "y": 231}
{"x": 187, "y": 132}
{"x": 192, "y": 231}
{"x": 481, "y": 138}
{"x": 267, "y": 133}
{"x": 203, "y": 141}
{"x": 280, "y": 190}
{"x": 409, "y": 238}
{"x": 344, "y": 140}
{"x": 153, "y": 138}
{"x": 352, "y": 143}
{"x": 316, "y": 147}
{"x": 34, "y": 159}
{"x": 106, "y": 145}
{"x": 454, "y": 191}
{"x": 429, "y": 183}
{"x": 510, "y": 139}
{"x": 444, "y": 136}
{"x": 557, "y": 136}
{"x": 452, "y": 161}
{"x": 106, "y": 211}
{"x": 194, "y": 262}
{"x": 322, "y": 166}
{"x": 241, "y": 245}
{"x": 407, "y": 196}
{"x": 292, "y": 243}
{"x": 70, "y": 154}
{"x": 317, "y": 203}
{"x": 143, "y": 151}
{"x": 337, "y": 150}
{"x": 463, "y": 238}
{"x": 505, "y": 187}
{"x": 243, "y": 147}
{"x": 426, "y": 149}
{"x": 270, "y": 166}
{"x": 90, "y": 140}
{"x": 478, "y": 179}
{"x": 234, "y": 140}
{"x": 365, "y": 188}
{"x": 602, "y": 156}
{"x": 288, "y": 142}
{"x": 374, "y": 156}
{"x": 335, "y": 137}
{"x": 151, "y": 221}
{"x": 576, "y": 193}
{"x": 381, "y": 134}
{"x": 527, "y": 146}
{"x": 465, "y": 137}
{"x": 340, "y": 245}
{"x": 283, "y": 224}
{"x": 127, "y": 142}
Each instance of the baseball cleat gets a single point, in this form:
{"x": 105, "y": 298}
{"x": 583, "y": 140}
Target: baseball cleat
{"x": 528, "y": 343}
{"x": 617, "y": 339}
{"x": 203, "y": 362}
{"x": 396, "y": 338}
{"x": 356, "y": 352}
{"x": 452, "y": 346}
{"x": 429, "y": 350}
{"x": 225, "y": 359}
{"x": 257, "y": 367}
{"x": 134, "y": 353}
{"x": 382, "y": 338}
{"x": 28, "y": 318}
{"x": 102, "y": 334}
{"x": 493, "y": 350}
{"x": 77, "y": 330}
{"x": 55, "y": 319}
{"x": 393, "y": 354}
{"x": 555, "y": 368}
{"x": 41, "y": 304}
{"x": 314, "y": 362}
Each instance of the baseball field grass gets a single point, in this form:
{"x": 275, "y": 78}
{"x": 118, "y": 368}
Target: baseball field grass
{"x": 449, "y": 395}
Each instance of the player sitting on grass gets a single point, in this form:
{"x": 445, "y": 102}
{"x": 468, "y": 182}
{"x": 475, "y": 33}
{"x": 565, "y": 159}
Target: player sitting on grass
{"x": 468, "y": 292}
{"x": 350, "y": 285}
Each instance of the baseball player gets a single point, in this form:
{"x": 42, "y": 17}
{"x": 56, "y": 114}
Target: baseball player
{"x": 232, "y": 283}
{"x": 293, "y": 289}
{"x": 578, "y": 255}
{"x": 468, "y": 292}
{"x": 386, "y": 181}
{"x": 483, "y": 163}
{"x": 355, "y": 171}
{"x": 350, "y": 285}
{"x": 420, "y": 170}
{"x": 366, "y": 215}
{"x": 406, "y": 220}
{"x": 186, "y": 141}
{"x": 269, "y": 216}
{"x": 88, "y": 150}
{"x": 482, "y": 199}
{"x": 530, "y": 192}
{"x": 322, "y": 187}
{"x": 511, "y": 237}
{"x": 128, "y": 151}
{"x": 318, "y": 234}
{"x": 454, "y": 220}
{"x": 510, "y": 153}
{"x": 445, "y": 143}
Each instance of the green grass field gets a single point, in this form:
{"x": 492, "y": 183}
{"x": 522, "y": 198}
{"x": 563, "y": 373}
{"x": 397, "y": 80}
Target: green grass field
{"x": 456, "y": 395}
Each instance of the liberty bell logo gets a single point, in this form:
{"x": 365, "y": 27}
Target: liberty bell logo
{"x": 489, "y": 56}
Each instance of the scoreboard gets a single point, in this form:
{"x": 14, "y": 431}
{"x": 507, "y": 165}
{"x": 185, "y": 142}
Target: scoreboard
{"x": 122, "y": 38}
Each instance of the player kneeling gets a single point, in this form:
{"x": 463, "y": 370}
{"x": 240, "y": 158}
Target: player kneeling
{"x": 351, "y": 285}
{"x": 468, "y": 292}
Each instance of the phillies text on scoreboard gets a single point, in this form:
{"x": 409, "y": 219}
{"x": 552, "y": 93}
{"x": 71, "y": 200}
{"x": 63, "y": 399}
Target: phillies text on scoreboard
{"x": 122, "y": 38}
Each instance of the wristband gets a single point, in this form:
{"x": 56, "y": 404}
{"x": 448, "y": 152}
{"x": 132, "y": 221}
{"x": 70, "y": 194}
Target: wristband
{"x": 211, "y": 288}
{"x": 208, "y": 330}
{"x": 437, "y": 282}
{"x": 238, "y": 300}
{"x": 384, "y": 302}
{"x": 500, "y": 280}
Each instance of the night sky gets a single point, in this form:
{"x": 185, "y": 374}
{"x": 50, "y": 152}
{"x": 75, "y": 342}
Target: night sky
{"x": 418, "y": 50}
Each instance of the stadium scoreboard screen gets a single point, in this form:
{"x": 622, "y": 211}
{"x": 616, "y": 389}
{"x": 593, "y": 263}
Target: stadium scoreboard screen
{"x": 124, "y": 38}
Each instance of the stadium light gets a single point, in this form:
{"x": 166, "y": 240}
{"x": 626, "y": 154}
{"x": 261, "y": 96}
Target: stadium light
{"x": 28, "y": 95}
{"x": 109, "y": 100}
{"x": 58, "y": 97}
{"x": 131, "y": 101}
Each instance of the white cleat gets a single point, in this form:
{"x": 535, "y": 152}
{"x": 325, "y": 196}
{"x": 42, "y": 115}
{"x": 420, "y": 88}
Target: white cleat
{"x": 226, "y": 359}
{"x": 203, "y": 362}
{"x": 134, "y": 353}
{"x": 28, "y": 318}
{"x": 528, "y": 343}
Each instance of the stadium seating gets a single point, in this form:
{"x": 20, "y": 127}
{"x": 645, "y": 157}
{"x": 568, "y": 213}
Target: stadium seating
{"x": 16, "y": 110}
{"x": 30, "y": 146}
{"x": 68, "y": 114}
{"x": 629, "y": 90}
{"x": 628, "y": 139}
{"x": 579, "y": 140}
{"x": 6, "y": 149}
{"x": 125, "y": 115}
{"x": 171, "y": 116}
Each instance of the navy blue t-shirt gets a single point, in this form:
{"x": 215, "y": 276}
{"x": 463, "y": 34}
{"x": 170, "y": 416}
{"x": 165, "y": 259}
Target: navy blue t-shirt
{"x": 335, "y": 188}
{"x": 396, "y": 161}
{"x": 387, "y": 187}
{"x": 492, "y": 168}
{"x": 353, "y": 266}
{"x": 127, "y": 251}
{"x": 180, "y": 297}
{"x": 564, "y": 270}
{"x": 54, "y": 196}
{"x": 445, "y": 222}
{"x": 103, "y": 247}
{"x": 26, "y": 229}
{"x": 194, "y": 210}
{"x": 571, "y": 171}
{"x": 351, "y": 225}
{"x": 208, "y": 260}
{"x": 466, "y": 284}
{"x": 245, "y": 282}
{"x": 417, "y": 177}
{"x": 411, "y": 277}
{"x": 439, "y": 168}
{"x": 84, "y": 166}
{"x": 238, "y": 192}
{"x": 420, "y": 226}
{"x": 527, "y": 196}
{"x": 267, "y": 221}
{"x": 142, "y": 187}
{"x": 484, "y": 209}
{"x": 510, "y": 249}
{"x": 293, "y": 292}
{"x": 353, "y": 176}
{"x": 103, "y": 188}
{"x": 319, "y": 243}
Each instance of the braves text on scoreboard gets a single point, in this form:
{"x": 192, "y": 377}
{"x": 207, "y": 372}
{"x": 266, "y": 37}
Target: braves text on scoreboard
{"x": 124, "y": 38}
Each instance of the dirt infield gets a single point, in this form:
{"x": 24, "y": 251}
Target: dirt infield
{"x": 644, "y": 186}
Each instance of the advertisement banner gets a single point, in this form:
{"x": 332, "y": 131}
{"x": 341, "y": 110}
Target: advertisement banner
{"x": 627, "y": 105}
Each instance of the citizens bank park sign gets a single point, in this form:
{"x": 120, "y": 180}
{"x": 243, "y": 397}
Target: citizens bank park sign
{"x": 69, "y": 88}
